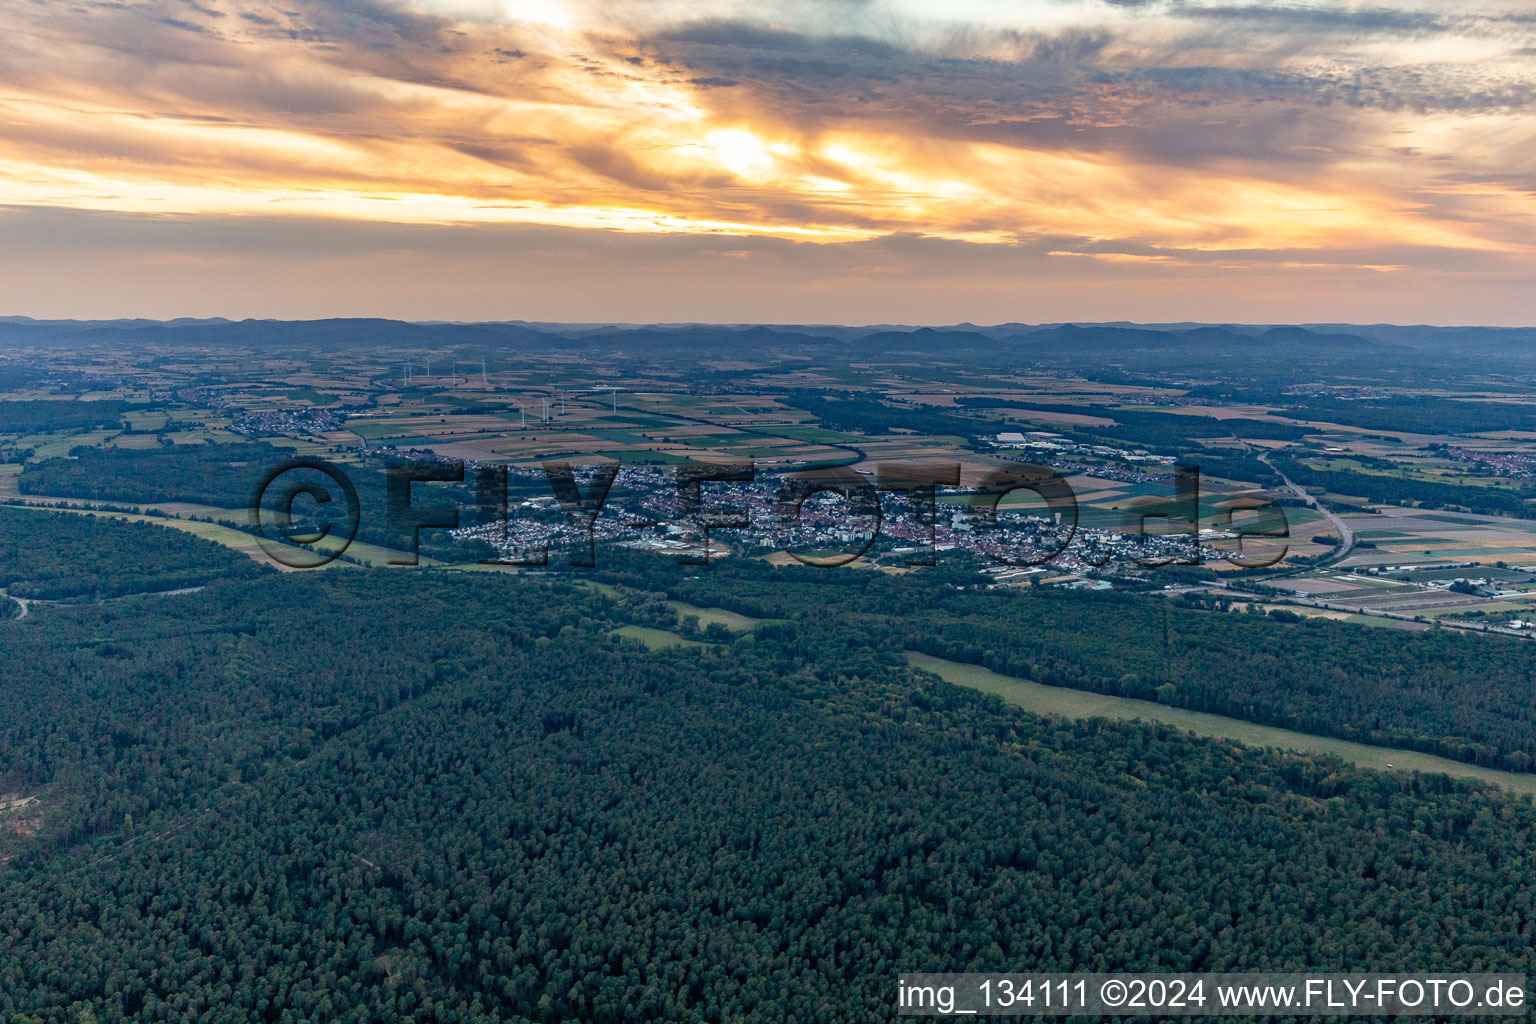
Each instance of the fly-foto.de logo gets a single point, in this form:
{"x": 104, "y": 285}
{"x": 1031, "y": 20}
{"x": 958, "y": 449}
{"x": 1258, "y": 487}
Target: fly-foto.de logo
{"x": 307, "y": 512}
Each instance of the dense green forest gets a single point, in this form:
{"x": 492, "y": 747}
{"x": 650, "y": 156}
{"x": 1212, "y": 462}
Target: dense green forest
{"x": 1147, "y": 428}
{"x": 870, "y": 416}
{"x": 208, "y": 689}
{"x": 1423, "y": 414}
{"x": 203, "y": 474}
{"x": 1394, "y": 489}
{"x": 982, "y": 417}
{"x": 48, "y": 415}
{"x": 226, "y": 476}
{"x": 55, "y": 556}
{"x": 381, "y": 796}
{"x": 1472, "y": 698}
{"x": 1231, "y": 464}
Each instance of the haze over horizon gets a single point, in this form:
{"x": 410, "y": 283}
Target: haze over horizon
{"x": 811, "y": 161}
{"x": 1011, "y": 328}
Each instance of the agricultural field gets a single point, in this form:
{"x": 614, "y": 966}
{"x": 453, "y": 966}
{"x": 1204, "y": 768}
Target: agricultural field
{"x": 1076, "y": 704}
{"x": 1430, "y": 517}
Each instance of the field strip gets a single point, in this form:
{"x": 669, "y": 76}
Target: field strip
{"x": 656, "y": 639}
{"x": 1069, "y": 703}
{"x": 730, "y": 620}
{"x": 227, "y": 536}
{"x": 245, "y": 543}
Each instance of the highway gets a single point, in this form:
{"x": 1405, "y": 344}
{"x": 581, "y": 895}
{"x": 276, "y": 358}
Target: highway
{"x": 1347, "y": 542}
{"x": 1345, "y": 532}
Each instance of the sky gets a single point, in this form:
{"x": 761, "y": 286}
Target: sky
{"x": 848, "y": 161}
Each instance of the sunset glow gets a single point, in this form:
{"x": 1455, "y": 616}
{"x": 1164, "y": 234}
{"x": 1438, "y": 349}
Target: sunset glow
{"x": 1321, "y": 138}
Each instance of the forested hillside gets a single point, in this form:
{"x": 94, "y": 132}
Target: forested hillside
{"x": 28, "y": 417}
{"x": 1400, "y": 488}
{"x": 205, "y": 474}
{"x": 227, "y": 475}
{"x": 1472, "y": 698}
{"x": 54, "y": 556}
{"x": 144, "y": 707}
{"x": 382, "y": 796}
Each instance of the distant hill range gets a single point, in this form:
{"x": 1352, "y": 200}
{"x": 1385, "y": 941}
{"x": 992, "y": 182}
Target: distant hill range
{"x": 1181, "y": 342}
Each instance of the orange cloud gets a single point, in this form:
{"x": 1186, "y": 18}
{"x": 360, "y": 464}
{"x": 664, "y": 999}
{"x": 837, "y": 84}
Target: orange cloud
{"x": 1096, "y": 130}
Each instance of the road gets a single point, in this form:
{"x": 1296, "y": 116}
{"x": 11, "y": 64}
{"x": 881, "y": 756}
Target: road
{"x": 1347, "y": 542}
{"x": 1236, "y": 590}
{"x": 1354, "y": 609}
{"x": 26, "y": 606}
{"x": 1346, "y": 534}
